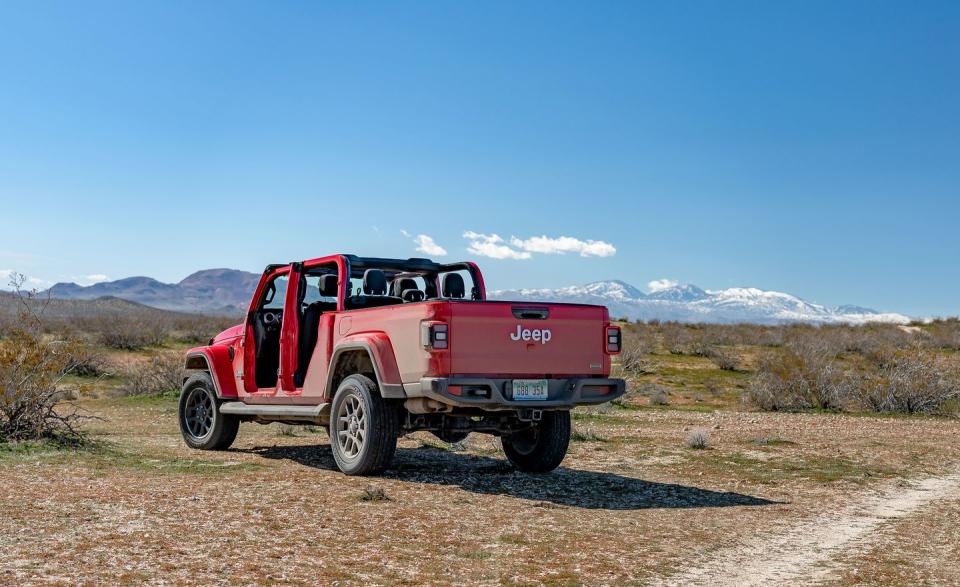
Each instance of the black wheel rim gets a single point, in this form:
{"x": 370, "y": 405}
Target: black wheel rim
{"x": 198, "y": 413}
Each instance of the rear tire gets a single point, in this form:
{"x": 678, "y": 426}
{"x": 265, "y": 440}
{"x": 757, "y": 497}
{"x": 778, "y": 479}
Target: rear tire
{"x": 363, "y": 427}
{"x": 540, "y": 449}
{"x": 202, "y": 425}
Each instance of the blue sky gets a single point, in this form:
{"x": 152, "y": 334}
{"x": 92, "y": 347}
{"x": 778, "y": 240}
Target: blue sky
{"x": 808, "y": 147}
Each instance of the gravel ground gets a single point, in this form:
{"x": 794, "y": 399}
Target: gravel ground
{"x": 631, "y": 504}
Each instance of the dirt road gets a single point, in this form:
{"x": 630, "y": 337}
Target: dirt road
{"x": 804, "y": 552}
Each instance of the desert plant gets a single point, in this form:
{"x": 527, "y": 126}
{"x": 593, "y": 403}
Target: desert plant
{"x": 698, "y": 439}
{"x": 912, "y": 383}
{"x": 633, "y": 358}
{"x": 803, "y": 376}
{"x": 586, "y": 435}
{"x": 32, "y": 368}
{"x": 87, "y": 361}
{"x": 374, "y": 493}
{"x": 723, "y": 359}
{"x": 657, "y": 394}
{"x": 162, "y": 373}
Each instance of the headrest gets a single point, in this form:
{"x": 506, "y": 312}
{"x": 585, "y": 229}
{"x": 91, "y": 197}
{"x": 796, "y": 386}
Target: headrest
{"x": 453, "y": 286}
{"x": 374, "y": 282}
{"x": 413, "y": 295}
{"x": 328, "y": 285}
{"x": 403, "y": 284}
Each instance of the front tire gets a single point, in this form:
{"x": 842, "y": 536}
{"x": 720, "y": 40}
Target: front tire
{"x": 363, "y": 427}
{"x": 541, "y": 448}
{"x": 202, "y": 425}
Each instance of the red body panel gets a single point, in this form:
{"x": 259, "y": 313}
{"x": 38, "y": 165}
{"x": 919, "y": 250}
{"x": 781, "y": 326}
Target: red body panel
{"x": 482, "y": 343}
{"x": 220, "y": 365}
{"x": 391, "y": 330}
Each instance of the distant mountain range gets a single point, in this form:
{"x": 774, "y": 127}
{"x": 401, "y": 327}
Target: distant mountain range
{"x": 211, "y": 291}
{"x": 228, "y": 291}
{"x": 689, "y": 303}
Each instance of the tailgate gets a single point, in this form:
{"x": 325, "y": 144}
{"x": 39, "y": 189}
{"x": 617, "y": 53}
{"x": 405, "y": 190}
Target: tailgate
{"x": 504, "y": 339}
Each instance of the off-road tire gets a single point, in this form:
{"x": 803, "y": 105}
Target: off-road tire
{"x": 218, "y": 431}
{"x": 381, "y": 427}
{"x": 540, "y": 449}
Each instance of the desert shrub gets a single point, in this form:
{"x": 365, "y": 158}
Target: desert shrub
{"x": 944, "y": 334}
{"x": 698, "y": 439}
{"x": 723, "y": 359}
{"x": 802, "y": 376}
{"x": 87, "y": 361}
{"x": 162, "y": 373}
{"x": 676, "y": 338}
{"x": 713, "y": 386}
{"x": 586, "y": 435}
{"x": 125, "y": 332}
{"x": 633, "y": 358}
{"x": 374, "y": 493}
{"x": 200, "y": 329}
{"x": 911, "y": 383}
{"x": 32, "y": 368}
{"x": 657, "y": 394}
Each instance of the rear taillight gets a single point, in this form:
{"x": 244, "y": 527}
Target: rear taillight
{"x": 435, "y": 335}
{"x": 614, "y": 340}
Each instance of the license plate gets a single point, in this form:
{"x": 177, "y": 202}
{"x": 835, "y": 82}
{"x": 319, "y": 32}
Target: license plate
{"x": 530, "y": 389}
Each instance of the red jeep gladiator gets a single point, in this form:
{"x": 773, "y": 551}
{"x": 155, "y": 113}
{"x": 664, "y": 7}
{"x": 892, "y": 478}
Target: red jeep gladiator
{"x": 375, "y": 348}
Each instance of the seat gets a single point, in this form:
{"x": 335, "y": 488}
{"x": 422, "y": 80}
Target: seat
{"x": 406, "y": 288}
{"x": 453, "y": 286}
{"x": 310, "y": 325}
{"x": 374, "y": 282}
{"x": 413, "y": 295}
{"x": 374, "y": 292}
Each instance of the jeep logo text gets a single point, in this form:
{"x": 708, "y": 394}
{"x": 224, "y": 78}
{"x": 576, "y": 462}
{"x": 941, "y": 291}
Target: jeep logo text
{"x": 536, "y": 335}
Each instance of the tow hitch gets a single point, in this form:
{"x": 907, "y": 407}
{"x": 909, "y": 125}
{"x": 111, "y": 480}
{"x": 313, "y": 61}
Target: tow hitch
{"x": 529, "y": 415}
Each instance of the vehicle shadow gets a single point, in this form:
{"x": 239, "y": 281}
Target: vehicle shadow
{"x": 564, "y": 486}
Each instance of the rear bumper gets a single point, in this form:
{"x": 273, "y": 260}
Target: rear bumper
{"x": 562, "y": 393}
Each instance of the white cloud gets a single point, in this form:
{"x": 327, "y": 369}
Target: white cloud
{"x": 37, "y": 282}
{"x": 661, "y": 284}
{"x": 405, "y": 233}
{"x": 491, "y": 245}
{"x": 564, "y": 244}
{"x": 94, "y": 278}
{"x": 426, "y": 244}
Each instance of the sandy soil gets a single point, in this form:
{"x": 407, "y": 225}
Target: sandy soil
{"x": 786, "y": 497}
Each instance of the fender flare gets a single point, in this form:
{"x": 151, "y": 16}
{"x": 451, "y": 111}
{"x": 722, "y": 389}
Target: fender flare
{"x": 377, "y": 346}
{"x": 216, "y": 361}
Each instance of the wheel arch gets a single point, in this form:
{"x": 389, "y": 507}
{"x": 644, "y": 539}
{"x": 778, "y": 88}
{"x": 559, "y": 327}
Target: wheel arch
{"x": 369, "y": 354}
{"x": 217, "y": 363}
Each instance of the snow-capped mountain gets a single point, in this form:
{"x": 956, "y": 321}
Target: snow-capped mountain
{"x": 227, "y": 291}
{"x": 689, "y": 303}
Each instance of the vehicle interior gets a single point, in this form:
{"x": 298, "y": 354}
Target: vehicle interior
{"x": 318, "y": 294}
{"x": 267, "y": 321}
{"x": 385, "y": 282}
{"x": 373, "y": 283}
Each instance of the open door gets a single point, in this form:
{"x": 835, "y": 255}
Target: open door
{"x": 264, "y": 330}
